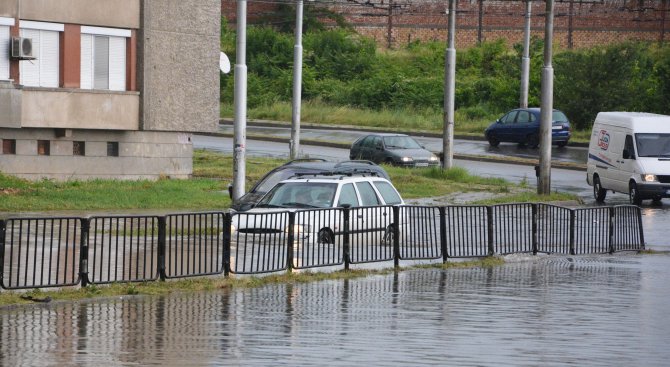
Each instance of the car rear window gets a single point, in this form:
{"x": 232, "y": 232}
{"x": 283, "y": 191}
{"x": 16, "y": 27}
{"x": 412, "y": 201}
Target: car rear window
{"x": 389, "y": 194}
{"x": 368, "y": 194}
{"x": 559, "y": 116}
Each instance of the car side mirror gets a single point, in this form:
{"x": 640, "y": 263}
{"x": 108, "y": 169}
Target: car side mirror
{"x": 627, "y": 154}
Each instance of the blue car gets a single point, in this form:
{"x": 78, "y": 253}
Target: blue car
{"x": 522, "y": 126}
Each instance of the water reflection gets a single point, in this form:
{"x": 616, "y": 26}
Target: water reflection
{"x": 605, "y": 311}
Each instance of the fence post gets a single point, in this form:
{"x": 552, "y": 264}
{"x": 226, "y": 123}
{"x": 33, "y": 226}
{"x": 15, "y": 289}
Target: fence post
{"x": 346, "y": 245}
{"x": 572, "y": 231}
{"x": 83, "y": 251}
{"x": 396, "y": 236}
{"x": 227, "y": 224}
{"x": 2, "y": 250}
{"x": 639, "y": 223}
{"x": 443, "y": 233}
{"x": 291, "y": 239}
{"x": 611, "y": 230}
{"x": 489, "y": 219}
{"x": 162, "y": 229}
{"x": 534, "y": 225}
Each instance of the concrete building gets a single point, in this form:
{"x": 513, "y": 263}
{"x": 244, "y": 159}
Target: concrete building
{"x": 106, "y": 89}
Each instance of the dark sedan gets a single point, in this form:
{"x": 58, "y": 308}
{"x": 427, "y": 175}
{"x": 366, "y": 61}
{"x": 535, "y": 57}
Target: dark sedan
{"x": 523, "y": 126}
{"x": 395, "y": 149}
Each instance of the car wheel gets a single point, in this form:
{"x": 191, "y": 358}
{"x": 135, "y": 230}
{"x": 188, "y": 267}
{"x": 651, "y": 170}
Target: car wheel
{"x": 493, "y": 141}
{"x": 388, "y": 236}
{"x": 561, "y": 144}
{"x": 657, "y": 200}
{"x": 633, "y": 194}
{"x": 598, "y": 192}
{"x": 325, "y": 237}
{"x": 532, "y": 141}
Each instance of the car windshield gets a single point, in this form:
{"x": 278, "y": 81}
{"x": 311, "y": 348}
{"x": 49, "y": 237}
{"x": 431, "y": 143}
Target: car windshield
{"x": 300, "y": 195}
{"x": 653, "y": 145}
{"x": 558, "y": 116}
{"x": 400, "y": 142}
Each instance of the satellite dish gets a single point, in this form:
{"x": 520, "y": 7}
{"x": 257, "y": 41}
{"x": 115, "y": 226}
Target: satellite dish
{"x": 224, "y": 63}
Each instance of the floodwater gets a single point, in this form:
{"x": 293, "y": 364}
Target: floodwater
{"x": 532, "y": 311}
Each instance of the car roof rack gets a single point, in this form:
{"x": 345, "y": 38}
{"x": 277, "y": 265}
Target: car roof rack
{"x": 348, "y": 173}
{"x": 361, "y": 161}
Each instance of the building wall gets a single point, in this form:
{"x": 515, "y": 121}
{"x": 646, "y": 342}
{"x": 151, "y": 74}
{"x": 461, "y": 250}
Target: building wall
{"x": 103, "y": 13}
{"x": 141, "y": 155}
{"x": 178, "y": 71}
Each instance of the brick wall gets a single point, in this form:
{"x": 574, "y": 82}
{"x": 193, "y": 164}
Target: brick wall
{"x": 585, "y": 23}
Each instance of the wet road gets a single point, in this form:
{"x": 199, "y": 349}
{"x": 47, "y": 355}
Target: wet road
{"x": 471, "y": 147}
{"x": 655, "y": 218}
{"x": 532, "y": 311}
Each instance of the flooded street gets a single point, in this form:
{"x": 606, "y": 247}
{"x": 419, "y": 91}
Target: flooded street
{"x": 544, "y": 310}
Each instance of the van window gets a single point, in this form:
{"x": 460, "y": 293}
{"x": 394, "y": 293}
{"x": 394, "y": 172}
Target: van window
{"x": 653, "y": 145}
{"x": 628, "y": 145}
{"x": 509, "y": 118}
{"x": 523, "y": 117}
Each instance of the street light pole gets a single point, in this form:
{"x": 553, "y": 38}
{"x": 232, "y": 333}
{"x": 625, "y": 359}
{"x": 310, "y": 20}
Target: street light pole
{"x": 546, "y": 108}
{"x": 240, "y": 97}
{"x": 449, "y": 91}
{"x": 294, "y": 144}
{"x": 525, "y": 60}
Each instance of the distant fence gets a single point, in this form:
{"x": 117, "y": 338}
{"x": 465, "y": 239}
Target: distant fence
{"x": 69, "y": 251}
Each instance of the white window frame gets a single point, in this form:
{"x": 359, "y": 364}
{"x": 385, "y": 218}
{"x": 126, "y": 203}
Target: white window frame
{"x": 115, "y": 54}
{"x": 5, "y": 40}
{"x": 47, "y": 62}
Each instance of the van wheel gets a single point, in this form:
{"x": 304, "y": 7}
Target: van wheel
{"x": 532, "y": 141}
{"x": 598, "y": 192}
{"x": 493, "y": 141}
{"x": 633, "y": 194}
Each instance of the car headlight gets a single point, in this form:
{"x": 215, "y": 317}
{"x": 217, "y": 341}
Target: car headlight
{"x": 406, "y": 159}
{"x": 649, "y": 178}
{"x": 299, "y": 229}
{"x": 433, "y": 159}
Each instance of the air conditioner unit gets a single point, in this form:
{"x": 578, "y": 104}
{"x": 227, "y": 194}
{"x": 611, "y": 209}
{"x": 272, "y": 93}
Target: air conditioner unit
{"x": 22, "y": 48}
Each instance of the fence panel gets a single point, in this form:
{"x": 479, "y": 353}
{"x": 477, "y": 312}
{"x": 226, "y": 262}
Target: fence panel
{"x": 553, "y": 229}
{"x": 123, "y": 249}
{"x": 259, "y": 242}
{"x": 41, "y": 253}
{"x": 318, "y": 238}
{"x": 193, "y": 244}
{"x": 467, "y": 231}
{"x": 420, "y": 232}
{"x": 592, "y": 230}
{"x": 627, "y": 228}
{"x": 513, "y": 228}
{"x": 371, "y": 234}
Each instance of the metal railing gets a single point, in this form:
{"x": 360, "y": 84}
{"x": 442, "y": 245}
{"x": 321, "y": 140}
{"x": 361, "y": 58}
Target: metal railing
{"x": 69, "y": 251}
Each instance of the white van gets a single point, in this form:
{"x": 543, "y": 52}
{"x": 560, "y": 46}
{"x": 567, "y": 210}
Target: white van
{"x": 629, "y": 152}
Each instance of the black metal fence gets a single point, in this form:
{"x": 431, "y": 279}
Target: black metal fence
{"x": 67, "y": 251}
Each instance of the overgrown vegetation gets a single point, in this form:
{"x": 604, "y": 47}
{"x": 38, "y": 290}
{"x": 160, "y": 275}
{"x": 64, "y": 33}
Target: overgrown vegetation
{"x": 403, "y": 89}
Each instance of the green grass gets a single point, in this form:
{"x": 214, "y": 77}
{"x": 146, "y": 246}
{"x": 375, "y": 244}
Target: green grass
{"x": 467, "y": 122}
{"x": 208, "y": 189}
{"x": 210, "y": 284}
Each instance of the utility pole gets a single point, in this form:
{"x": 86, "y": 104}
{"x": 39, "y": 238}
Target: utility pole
{"x": 389, "y": 30}
{"x": 240, "y": 97}
{"x": 525, "y": 60}
{"x": 546, "y": 108}
{"x": 449, "y": 91}
{"x": 480, "y": 22}
{"x": 294, "y": 144}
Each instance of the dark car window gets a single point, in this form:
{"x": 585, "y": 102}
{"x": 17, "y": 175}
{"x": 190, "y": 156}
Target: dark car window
{"x": 368, "y": 142}
{"x": 389, "y": 195}
{"x": 348, "y": 196}
{"x": 559, "y": 116}
{"x": 368, "y": 194}
{"x": 523, "y": 117}
{"x": 377, "y": 143}
{"x": 509, "y": 118}
{"x": 653, "y": 145}
{"x": 533, "y": 118}
{"x": 401, "y": 142}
